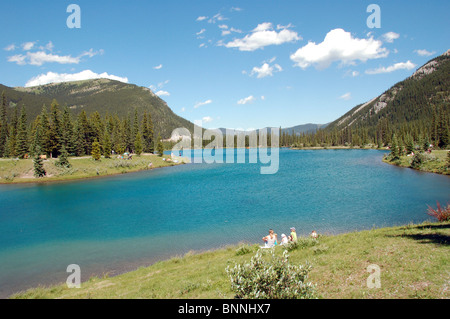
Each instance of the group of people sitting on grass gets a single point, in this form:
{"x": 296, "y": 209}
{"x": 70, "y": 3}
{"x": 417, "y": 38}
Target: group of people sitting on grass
{"x": 271, "y": 240}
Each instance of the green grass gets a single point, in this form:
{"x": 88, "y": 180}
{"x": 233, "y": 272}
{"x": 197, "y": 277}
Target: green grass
{"x": 414, "y": 261}
{"x": 436, "y": 162}
{"x": 21, "y": 171}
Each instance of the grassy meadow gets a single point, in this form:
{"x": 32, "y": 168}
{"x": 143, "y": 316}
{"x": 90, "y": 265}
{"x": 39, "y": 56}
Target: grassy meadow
{"x": 435, "y": 162}
{"x": 414, "y": 262}
{"x": 21, "y": 170}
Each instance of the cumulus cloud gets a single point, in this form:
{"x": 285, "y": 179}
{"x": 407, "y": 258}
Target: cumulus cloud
{"x": 266, "y": 70}
{"x": 246, "y": 100}
{"x": 263, "y": 35}
{"x": 341, "y": 46}
{"x": 197, "y": 105}
{"x": 201, "y": 18}
{"x": 346, "y": 96}
{"x": 158, "y": 67}
{"x": 397, "y": 66}
{"x": 27, "y": 46}
{"x": 390, "y": 36}
{"x": 207, "y": 119}
{"x": 424, "y": 52}
{"x": 162, "y": 93}
{"x": 52, "y": 77}
{"x": 40, "y": 57}
{"x": 10, "y": 47}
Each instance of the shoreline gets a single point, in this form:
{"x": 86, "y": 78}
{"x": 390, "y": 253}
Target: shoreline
{"x": 109, "y": 286}
{"x": 87, "y": 176}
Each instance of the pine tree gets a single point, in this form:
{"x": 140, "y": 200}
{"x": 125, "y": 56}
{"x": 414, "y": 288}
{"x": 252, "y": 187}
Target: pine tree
{"x": 138, "y": 144}
{"x": 67, "y": 133}
{"x": 106, "y": 145}
{"x": 150, "y": 137}
{"x": 22, "y": 135}
{"x": 63, "y": 158}
{"x": 54, "y": 131}
{"x": 12, "y": 139}
{"x": 96, "y": 150}
{"x": 3, "y": 126}
{"x": 395, "y": 152}
{"x": 160, "y": 146}
{"x": 38, "y": 164}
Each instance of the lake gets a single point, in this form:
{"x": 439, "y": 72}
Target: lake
{"x": 118, "y": 223}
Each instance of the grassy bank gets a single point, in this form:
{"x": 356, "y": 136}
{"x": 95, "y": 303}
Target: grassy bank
{"x": 435, "y": 162}
{"x": 21, "y": 171}
{"x": 414, "y": 262}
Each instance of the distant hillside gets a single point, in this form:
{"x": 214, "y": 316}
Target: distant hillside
{"x": 101, "y": 95}
{"x": 304, "y": 128}
{"x": 414, "y": 99}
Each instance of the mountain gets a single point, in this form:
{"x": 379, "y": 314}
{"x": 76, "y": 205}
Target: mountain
{"x": 102, "y": 95}
{"x": 414, "y": 99}
{"x": 304, "y": 128}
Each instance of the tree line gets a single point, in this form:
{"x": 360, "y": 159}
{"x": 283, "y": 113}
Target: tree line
{"x": 56, "y": 130}
{"x": 432, "y": 130}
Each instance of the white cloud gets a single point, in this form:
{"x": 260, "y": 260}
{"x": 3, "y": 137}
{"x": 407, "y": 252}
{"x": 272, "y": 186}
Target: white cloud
{"x": 217, "y": 17}
{"x": 202, "y": 103}
{"x": 158, "y": 67}
{"x": 355, "y": 73}
{"x": 162, "y": 93}
{"x": 207, "y": 119}
{"x": 10, "y": 47}
{"x": 183, "y": 109}
{"x": 266, "y": 70}
{"x": 263, "y": 35}
{"x": 91, "y": 53}
{"x": 390, "y": 36}
{"x": 338, "y": 45}
{"x": 201, "y": 18}
{"x": 18, "y": 58}
{"x": 247, "y": 100}
{"x": 52, "y": 77}
{"x": 27, "y": 46}
{"x": 397, "y": 66}
{"x": 38, "y": 58}
{"x": 346, "y": 96}
{"x": 424, "y": 52}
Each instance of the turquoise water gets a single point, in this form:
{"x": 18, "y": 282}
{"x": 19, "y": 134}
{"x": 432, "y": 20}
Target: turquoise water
{"x": 118, "y": 223}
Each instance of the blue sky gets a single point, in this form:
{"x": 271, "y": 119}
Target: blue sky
{"x": 235, "y": 64}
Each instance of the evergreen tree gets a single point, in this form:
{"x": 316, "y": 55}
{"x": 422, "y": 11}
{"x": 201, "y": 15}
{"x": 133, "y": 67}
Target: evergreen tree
{"x": 3, "y": 126}
{"x": 38, "y": 164}
{"x": 45, "y": 143}
{"x": 150, "y": 137}
{"x": 67, "y": 132}
{"x": 54, "y": 130}
{"x": 160, "y": 146}
{"x": 22, "y": 143}
{"x": 63, "y": 158}
{"x": 106, "y": 145}
{"x": 96, "y": 150}
{"x": 138, "y": 144}
{"x": 12, "y": 138}
{"x": 395, "y": 152}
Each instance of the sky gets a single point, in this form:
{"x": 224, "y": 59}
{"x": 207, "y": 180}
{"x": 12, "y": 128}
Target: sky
{"x": 234, "y": 64}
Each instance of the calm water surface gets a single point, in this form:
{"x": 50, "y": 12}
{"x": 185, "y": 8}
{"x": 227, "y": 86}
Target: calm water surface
{"x": 118, "y": 223}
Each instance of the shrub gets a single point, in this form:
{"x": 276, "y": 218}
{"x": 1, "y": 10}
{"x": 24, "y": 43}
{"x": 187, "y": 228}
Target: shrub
{"x": 417, "y": 161}
{"x": 243, "y": 250}
{"x": 270, "y": 279}
{"x": 441, "y": 214}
